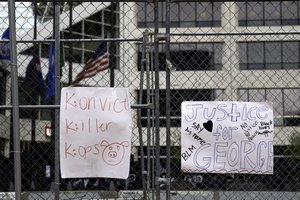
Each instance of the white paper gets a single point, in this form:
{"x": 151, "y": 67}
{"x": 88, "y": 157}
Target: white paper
{"x": 227, "y": 137}
{"x": 95, "y": 132}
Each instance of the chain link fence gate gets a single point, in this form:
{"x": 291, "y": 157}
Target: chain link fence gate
{"x": 182, "y": 50}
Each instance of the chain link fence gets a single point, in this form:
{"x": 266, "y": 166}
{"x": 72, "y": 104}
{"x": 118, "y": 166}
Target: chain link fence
{"x": 165, "y": 52}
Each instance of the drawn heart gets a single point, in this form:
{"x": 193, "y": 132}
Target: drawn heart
{"x": 208, "y": 125}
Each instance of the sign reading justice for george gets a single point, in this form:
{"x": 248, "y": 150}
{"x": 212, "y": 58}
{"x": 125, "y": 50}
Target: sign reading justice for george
{"x": 227, "y": 137}
{"x": 95, "y": 132}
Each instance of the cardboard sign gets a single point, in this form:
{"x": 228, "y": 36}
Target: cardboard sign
{"x": 95, "y": 132}
{"x": 227, "y": 137}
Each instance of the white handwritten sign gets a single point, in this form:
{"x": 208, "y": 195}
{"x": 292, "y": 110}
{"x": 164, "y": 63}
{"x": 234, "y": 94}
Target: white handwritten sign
{"x": 95, "y": 132}
{"x": 227, "y": 137}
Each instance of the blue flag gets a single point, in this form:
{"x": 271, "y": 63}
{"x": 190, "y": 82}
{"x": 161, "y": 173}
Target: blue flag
{"x": 4, "y": 47}
{"x": 50, "y": 92}
{"x": 34, "y": 77}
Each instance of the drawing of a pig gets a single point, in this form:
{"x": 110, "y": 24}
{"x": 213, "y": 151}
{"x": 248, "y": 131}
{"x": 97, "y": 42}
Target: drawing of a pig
{"x": 113, "y": 153}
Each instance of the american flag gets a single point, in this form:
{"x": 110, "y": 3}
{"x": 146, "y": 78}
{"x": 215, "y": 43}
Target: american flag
{"x": 97, "y": 63}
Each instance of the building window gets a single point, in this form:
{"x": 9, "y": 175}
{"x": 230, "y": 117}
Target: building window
{"x": 186, "y": 57}
{"x": 269, "y": 13}
{"x": 286, "y": 103}
{"x": 177, "y": 96}
{"x": 103, "y": 24}
{"x": 183, "y": 14}
{"x": 269, "y": 55}
{"x": 2, "y": 89}
{"x": 45, "y": 10}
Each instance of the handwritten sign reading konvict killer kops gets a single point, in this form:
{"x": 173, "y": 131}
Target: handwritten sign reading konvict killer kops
{"x": 95, "y": 132}
{"x": 227, "y": 137}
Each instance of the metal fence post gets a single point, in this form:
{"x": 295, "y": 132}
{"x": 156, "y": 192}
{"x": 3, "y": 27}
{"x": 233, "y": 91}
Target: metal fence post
{"x": 15, "y": 100}
{"x": 157, "y": 121}
{"x": 139, "y": 119}
{"x": 168, "y": 103}
{"x": 57, "y": 98}
{"x": 148, "y": 99}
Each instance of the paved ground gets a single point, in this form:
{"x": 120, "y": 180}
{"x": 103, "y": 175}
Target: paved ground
{"x": 178, "y": 195}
